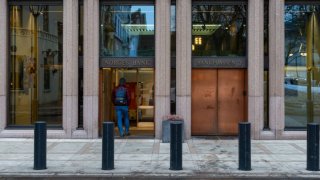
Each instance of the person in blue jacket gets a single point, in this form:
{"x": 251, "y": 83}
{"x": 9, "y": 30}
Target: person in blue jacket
{"x": 121, "y": 100}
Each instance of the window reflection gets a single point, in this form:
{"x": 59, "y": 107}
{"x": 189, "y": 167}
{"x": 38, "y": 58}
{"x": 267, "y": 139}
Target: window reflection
{"x": 219, "y": 30}
{"x": 173, "y": 30}
{"x": 127, "y": 30}
{"x": 302, "y": 62}
{"x": 35, "y": 64}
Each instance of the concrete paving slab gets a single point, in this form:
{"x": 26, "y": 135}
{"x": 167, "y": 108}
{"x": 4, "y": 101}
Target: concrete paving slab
{"x": 135, "y": 157}
{"x": 217, "y": 166}
{"x": 59, "y": 157}
{"x": 302, "y": 158}
{"x": 67, "y": 147}
{"x": 14, "y": 157}
{"x": 87, "y": 157}
{"x": 283, "y": 149}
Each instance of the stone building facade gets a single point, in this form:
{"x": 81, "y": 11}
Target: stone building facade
{"x": 264, "y": 81}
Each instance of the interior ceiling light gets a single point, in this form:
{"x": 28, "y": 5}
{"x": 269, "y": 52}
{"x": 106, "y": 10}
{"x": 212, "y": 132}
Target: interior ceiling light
{"x": 204, "y": 29}
{"x": 303, "y": 54}
{"x": 139, "y": 29}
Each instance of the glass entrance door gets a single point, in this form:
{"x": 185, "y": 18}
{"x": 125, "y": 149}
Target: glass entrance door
{"x": 140, "y": 84}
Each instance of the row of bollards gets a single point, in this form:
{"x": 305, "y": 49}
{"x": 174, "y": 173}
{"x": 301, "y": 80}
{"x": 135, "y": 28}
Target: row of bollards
{"x": 40, "y": 146}
{"x": 312, "y": 147}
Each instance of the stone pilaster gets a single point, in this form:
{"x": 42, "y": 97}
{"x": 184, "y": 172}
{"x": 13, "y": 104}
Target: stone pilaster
{"x": 183, "y": 62}
{"x": 70, "y": 65}
{"x": 3, "y": 63}
{"x": 162, "y": 68}
{"x": 255, "y": 66}
{"x": 91, "y": 67}
{"x": 276, "y": 66}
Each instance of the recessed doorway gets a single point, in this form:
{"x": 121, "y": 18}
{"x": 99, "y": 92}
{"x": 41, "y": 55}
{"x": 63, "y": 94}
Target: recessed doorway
{"x": 140, "y": 83}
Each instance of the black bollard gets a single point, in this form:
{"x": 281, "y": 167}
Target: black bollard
{"x": 244, "y": 146}
{"x": 108, "y": 146}
{"x": 176, "y": 145}
{"x": 313, "y": 147}
{"x": 40, "y": 146}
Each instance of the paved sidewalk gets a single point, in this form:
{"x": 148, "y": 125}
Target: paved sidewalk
{"x": 149, "y": 159}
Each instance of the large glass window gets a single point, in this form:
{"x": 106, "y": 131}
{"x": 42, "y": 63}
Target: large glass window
{"x": 127, "y": 31}
{"x": 302, "y": 62}
{"x": 219, "y": 30}
{"x": 35, "y": 62}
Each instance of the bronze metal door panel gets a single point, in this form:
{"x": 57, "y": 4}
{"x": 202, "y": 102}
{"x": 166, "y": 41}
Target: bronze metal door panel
{"x": 105, "y": 91}
{"x": 204, "y": 102}
{"x": 231, "y": 101}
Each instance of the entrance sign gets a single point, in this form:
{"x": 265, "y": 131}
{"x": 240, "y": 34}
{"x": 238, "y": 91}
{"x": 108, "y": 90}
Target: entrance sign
{"x": 127, "y": 62}
{"x": 221, "y": 62}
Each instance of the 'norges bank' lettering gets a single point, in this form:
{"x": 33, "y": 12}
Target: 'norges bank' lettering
{"x": 127, "y": 63}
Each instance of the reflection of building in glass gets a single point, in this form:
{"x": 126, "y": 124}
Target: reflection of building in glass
{"x": 125, "y": 31}
{"x": 302, "y": 75}
{"x": 137, "y": 21}
{"x": 115, "y": 39}
{"x": 36, "y": 61}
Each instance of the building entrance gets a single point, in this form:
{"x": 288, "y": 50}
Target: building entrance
{"x": 219, "y": 101}
{"x": 140, "y": 84}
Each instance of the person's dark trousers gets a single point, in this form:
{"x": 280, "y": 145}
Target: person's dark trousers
{"x": 123, "y": 112}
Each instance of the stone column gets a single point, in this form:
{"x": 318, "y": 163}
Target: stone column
{"x": 91, "y": 67}
{"x": 3, "y": 63}
{"x": 255, "y": 66}
{"x": 70, "y": 65}
{"x": 183, "y": 62}
{"x": 162, "y": 68}
{"x": 276, "y": 66}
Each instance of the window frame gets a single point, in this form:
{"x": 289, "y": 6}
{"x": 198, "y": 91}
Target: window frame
{"x": 302, "y": 2}
{"x": 35, "y": 2}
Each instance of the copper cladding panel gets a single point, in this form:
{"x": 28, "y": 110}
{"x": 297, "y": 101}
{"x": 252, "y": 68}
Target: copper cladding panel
{"x": 204, "y": 101}
{"x": 231, "y": 100}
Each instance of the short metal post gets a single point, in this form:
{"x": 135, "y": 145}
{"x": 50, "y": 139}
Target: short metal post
{"x": 244, "y": 146}
{"x": 108, "y": 146}
{"x": 313, "y": 147}
{"x": 176, "y": 145}
{"x": 40, "y": 146}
